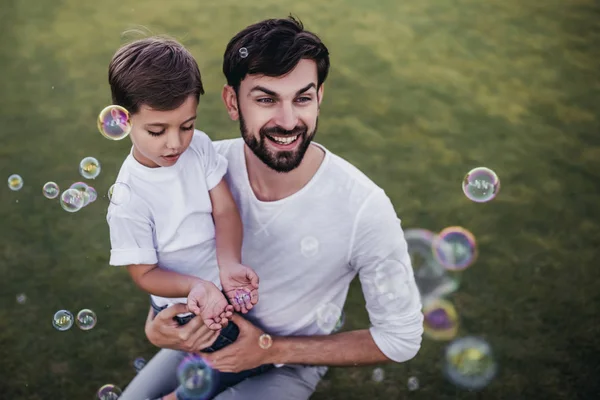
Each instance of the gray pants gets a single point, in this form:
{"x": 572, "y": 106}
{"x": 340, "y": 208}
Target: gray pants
{"x": 290, "y": 382}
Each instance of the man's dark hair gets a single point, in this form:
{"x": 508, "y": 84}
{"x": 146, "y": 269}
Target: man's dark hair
{"x": 157, "y": 72}
{"x": 273, "y": 47}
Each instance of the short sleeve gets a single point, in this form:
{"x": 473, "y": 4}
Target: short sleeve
{"x": 131, "y": 239}
{"x": 215, "y": 165}
{"x": 380, "y": 256}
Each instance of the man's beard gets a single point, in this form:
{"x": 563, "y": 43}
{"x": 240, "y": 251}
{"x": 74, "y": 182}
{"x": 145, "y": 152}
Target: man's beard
{"x": 280, "y": 161}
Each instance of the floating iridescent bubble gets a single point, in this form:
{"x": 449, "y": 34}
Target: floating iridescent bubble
{"x": 195, "y": 376}
{"x": 72, "y": 200}
{"x": 84, "y": 190}
{"x": 469, "y": 363}
{"x": 309, "y": 246}
{"x": 109, "y": 392}
{"x": 431, "y": 277}
{"x": 89, "y": 168}
{"x": 15, "y": 182}
{"x": 327, "y": 317}
{"x": 114, "y": 122}
{"x": 463, "y": 245}
{"x": 378, "y": 375}
{"x": 243, "y": 52}
{"x": 50, "y": 190}
{"x": 119, "y": 194}
{"x": 92, "y": 194}
{"x": 86, "y": 319}
{"x": 265, "y": 341}
{"x": 481, "y": 185}
{"x": 413, "y": 383}
{"x": 21, "y": 298}
{"x": 440, "y": 320}
{"x": 138, "y": 364}
{"x": 62, "y": 320}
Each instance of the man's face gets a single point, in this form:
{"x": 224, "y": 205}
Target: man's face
{"x": 278, "y": 115}
{"x": 160, "y": 137}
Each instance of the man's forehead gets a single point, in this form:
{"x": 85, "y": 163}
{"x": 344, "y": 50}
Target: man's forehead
{"x": 299, "y": 78}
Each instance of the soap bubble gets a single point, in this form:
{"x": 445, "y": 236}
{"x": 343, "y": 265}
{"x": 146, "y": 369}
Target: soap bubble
{"x": 378, "y": 375}
{"x": 413, "y": 383}
{"x": 21, "y": 298}
{"x": 138, "y": 364}
{"x": 440, "y": 320}
{"x": 119, "y": 194}
{"x": 195, "y": 376}
{"x": 243, "y": 52}
{"x": 92, "y": 194}
{"x": 462, "y": 243}
{"x": 481, "y": 184}
{"x": 327, "y": 317}
{"x": 265, "y": 341}
{"x": 114, "y": 122}
{"x": 71, "y": 200}
{"x": 86, "y": 319}
{"x": 89, "y": 168}
{"x": 469, "y": 363}
{"x": 63, "y": 320}
{"x": 109, "y": 392}
{"x": 50, "y": 190}
{"x": 432, "y": 279}
{"x": 84, "y": 190}
{"x": 15, "y": 182}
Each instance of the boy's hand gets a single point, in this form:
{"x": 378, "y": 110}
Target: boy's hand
{"x": 240, "y": 284}
{"x": 207, "y": 301}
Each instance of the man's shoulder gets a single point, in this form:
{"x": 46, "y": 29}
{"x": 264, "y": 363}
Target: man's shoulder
{"x": 225, "y": 146}
{"x": 222, "y": 146}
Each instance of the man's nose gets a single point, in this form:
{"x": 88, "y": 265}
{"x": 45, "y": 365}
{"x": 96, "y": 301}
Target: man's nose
{"x": 286, "y": 117}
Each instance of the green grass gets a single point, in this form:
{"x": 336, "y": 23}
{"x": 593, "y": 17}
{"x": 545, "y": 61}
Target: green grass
{"x": 419, "y": 93}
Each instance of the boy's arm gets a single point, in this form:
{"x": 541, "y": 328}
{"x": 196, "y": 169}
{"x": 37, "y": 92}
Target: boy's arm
{"x": 228, "y": 225}
{"x": 163, "y": 283}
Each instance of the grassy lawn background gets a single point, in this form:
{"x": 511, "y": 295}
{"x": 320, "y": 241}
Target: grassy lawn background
{"x": 419, "y": 93}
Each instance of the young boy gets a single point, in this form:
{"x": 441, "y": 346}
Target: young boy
{"x": 179, "y": 233}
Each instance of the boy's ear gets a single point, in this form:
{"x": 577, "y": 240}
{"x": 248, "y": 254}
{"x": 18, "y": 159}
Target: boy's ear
{"x": 230, "y": 101}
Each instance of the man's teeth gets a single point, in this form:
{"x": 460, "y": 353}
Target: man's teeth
{"x": 286, "y": 140}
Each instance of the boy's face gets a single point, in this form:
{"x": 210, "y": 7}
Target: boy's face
{"x": 278, "y": 115}
{"x": 160, "y": 137}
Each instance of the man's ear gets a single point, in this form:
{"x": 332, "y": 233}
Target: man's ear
{"x": 320, "y": 94}
{"x": 230, "y": 101}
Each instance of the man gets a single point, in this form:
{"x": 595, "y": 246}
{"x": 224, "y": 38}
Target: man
{"x": 312, "y": 222}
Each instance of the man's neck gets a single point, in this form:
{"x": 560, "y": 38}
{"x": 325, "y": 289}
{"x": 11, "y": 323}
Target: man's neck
{"x": 269, "y": 185}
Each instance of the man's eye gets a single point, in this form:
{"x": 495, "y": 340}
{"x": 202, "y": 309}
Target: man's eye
{"x": 303, "y": 99}
{"x": 265, "y": 100}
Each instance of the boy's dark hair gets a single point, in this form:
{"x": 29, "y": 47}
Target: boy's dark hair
{"x": 273, "y": 48}
{"x": 155, "y": 71}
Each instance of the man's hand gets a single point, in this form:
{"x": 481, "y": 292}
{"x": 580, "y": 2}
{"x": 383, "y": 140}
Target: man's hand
{"x": 240, "y": 284}
{"x": 164, "y": 332}
{"x": 245, "y": 353}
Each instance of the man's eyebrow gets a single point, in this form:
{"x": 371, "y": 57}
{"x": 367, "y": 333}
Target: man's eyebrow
{"x": 164, "y": 125}
{"x": 272, "y": 93}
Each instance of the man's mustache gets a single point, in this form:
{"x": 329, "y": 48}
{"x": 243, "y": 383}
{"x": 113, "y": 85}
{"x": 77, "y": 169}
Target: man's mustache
{"x": 276, "y": 130}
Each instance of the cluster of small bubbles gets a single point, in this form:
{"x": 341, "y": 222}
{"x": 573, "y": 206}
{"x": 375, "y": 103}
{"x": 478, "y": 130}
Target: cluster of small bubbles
{"x": 62, "y": 320}
{"x": 119, "y": 194}
{"x": 50, "y": 190}
{"x": 72, "y": 200}
{"x": 89, "y": 168}
{"x": 15, "y": 182}
{"x": 463, "y": 245}
{"x": 431, "y": 277}
{"x": 195, "y": 376}
{"x": 469, "y": 363}
{"x": 109, "y": 392}
{"x": 441, "y": 320}
{"x": 328, "y": 316}
{"x": 21, "y": 298}
{"x": 138, "y": 364}
{"x": 481, "y": 184}
{"x": 265, "y": 341}
{"x": 413, "y": 383}
{"x": 83, "y": 189}
{"x": 241, "y": 297}
{"x": 86, "y": 319}
{"x": 340, "y": 323}
{"x": 378, "y": 375}
{"x": 243, "y": 52}
{"x": 114, "y": 122}
{"x": 92, "y": 194}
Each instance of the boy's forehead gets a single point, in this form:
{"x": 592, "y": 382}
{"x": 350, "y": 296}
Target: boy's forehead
{"x": 186, "y": 109}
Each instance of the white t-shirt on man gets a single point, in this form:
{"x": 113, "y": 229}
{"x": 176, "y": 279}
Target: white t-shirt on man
{"x": 165, "y": 217}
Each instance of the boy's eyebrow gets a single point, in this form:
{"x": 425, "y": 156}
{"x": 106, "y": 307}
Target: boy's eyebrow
{"x": 272, "y": 93}
{"x": 163, "y": 125}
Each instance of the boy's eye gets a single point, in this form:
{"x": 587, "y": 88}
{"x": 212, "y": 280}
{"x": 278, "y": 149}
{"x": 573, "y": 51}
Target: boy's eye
{"x": 187, "y": 128}
{"x": 156, "y": 133}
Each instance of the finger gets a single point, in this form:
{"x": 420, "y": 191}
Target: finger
{"x": 238, "y": 320}
{"x": 172, "y": 311}
{"x": 253, "y": 277}
{"x": 212, "y": 324}
{"x": 254, "y": 297}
